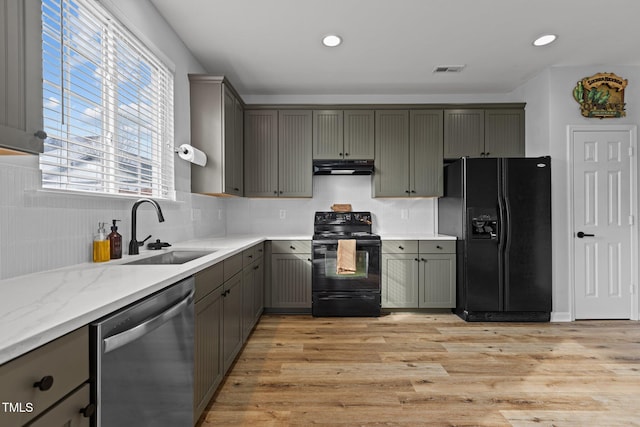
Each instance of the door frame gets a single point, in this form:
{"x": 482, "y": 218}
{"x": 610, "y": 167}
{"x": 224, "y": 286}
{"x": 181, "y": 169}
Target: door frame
{"x": 632, "y": 130}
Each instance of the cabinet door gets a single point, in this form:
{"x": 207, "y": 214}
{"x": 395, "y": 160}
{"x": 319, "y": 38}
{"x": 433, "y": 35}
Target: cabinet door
{"x": 20, "y": 75}
{"x": 328, "y": 134}
{"x": 232, "y": 320}
{"x": 294, "y": 153}
{"x": 67, "y": 413}
{"x": 291, "y": 280}
{"x": 258, "y": 289}
{"x": 238, "y": 163}
{"x": 248, "y": 291}
{"x": 208, "y": 350}
{"x": 437, "y": 281}
{"x": 261, "y": 153}
{"x": 463, "y": 133}
{"x": 425, "y": 164}
{"x": 504, "y": 133}
{"x": 391, "y": 176}
{"x": 359, "y": 134}
{"x": 231, "y": 145}
{"x": 400, "y": 280}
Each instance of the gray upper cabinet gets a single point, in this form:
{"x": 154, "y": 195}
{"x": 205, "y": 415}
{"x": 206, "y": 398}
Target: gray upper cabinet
{"x": 463, "y": 133}
{"x": 408, "y": 153}
{"x": 216, "y": 129}
{"x": 392, "y": 153}
{"x": 343, "y": 134}
{"x": 261, "y": 153}
{"x": 425, "y": 158}
{"x": 485, "y": 132}
{"x": 278, "y": 152}
{"x": 21, "y": 76}
{"x": 504, "y": 133}
{"x": 328, "y": 134}
{"x": 295, "y": 171}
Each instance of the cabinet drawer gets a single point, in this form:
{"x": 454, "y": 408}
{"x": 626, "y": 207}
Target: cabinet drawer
{"x": 65, "y": 360}
{"x": 232, "y": 266}
{"x": 437, "y": 246}
{"x": 252, "y": 254}
{"x": 399, "y": 246}
{"x": 291, "y": 246}
{"x": 67, "y": 412}
{"x": 209, "y": 279}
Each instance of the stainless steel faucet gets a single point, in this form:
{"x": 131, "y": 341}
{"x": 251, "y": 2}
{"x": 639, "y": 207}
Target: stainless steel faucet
{"x": 133, "y": 244}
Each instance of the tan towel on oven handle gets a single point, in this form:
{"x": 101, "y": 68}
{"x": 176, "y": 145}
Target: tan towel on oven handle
{"x": 346, "y": 258}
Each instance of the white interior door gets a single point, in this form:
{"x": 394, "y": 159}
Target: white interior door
{"x": 603, "y": 224}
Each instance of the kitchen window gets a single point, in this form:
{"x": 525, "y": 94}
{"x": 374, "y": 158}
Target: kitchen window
{"x": 107, "y": 105}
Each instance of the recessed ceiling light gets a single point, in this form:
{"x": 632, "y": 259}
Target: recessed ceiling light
{"x": 331, "y": 40}
{"x": 544, "y": 40}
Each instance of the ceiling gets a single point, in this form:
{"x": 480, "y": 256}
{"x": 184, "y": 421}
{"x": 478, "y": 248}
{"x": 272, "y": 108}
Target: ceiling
{"x": 273, "y": 47}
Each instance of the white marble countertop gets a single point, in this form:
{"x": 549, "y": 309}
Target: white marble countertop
{"x": 40, "y": 307}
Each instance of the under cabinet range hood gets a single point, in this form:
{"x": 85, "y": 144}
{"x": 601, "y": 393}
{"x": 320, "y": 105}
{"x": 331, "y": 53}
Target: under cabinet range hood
{"x": 342, "y": 167}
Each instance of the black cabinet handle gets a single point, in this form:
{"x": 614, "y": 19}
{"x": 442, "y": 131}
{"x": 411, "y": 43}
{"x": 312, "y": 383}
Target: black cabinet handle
{"x": 346, "y": 154}
{"x": 236, "y": 189}
{"x": 340, "y": 154}
{"x": 45, "y": 383}
{"x": 401, "y": 248}
{"x": 40, "y": 134}
{"x": 275, "y": 192}
{"x": 416, "y": 259}
{"x": 438, "y": 247}
{"x": 256, "y": 267}
{"x": 581, "y": 235}
{"x": 88, "y": 410}
{"x": 408, "y": 192}
{"x": 413, "y": 191}
{"x": 487, "y": 154}
{"x": 483, "y": 154}
{"x": 423, "y": 260}
{"x": 249, "y": 256}
{"x": 293, "y": 248}
{"x": 309, "y": 259}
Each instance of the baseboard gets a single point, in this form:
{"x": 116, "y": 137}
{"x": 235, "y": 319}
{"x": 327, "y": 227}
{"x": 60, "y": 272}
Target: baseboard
{"x": 561, "y": 316}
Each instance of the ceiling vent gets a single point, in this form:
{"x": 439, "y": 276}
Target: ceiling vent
{"x": 448, "y": 68}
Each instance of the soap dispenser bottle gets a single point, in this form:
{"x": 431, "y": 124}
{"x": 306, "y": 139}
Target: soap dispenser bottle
{"x": 100, "y": 244}
{"x": 115, "y": 241}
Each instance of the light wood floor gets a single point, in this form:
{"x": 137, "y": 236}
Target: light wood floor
{"x": 432, "y": 369}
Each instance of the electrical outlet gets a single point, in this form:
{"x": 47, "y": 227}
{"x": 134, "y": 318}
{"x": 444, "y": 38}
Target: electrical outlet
{"x": 283, "y": 213}
{"x": 404, "y": 214}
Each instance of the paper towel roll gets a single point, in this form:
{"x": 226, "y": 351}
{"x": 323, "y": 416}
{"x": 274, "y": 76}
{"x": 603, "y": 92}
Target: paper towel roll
{"x": 192, "y": 155}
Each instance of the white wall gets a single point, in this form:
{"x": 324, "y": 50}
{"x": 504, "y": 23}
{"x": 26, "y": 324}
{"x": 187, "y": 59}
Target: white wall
{"x": 44, "y": 230}
{"x": 550, "y": 109}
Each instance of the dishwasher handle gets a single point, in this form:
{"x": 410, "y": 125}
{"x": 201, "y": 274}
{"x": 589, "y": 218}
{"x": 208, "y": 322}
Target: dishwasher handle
{"x": 123, "y": 338}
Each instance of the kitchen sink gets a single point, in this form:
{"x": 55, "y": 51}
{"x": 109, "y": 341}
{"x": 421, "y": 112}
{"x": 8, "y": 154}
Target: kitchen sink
{"x": 173, "y": 257}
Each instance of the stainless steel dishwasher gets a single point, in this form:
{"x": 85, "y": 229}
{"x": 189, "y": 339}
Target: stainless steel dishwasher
{"x": 142, "y": 362}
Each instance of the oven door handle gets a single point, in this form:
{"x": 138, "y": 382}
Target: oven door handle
{"x": 335, "y": 242}
{"x": 342, "y": 296}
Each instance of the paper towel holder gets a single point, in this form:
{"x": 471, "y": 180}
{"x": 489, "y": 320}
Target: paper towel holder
{"x": 190, "y": 154}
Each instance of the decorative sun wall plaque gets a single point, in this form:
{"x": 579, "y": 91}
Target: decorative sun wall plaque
{"x": 601, "y": 95}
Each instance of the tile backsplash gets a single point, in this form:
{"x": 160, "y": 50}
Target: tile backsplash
{"x": 41, "y": 230}
{"x": 295, "y": 216}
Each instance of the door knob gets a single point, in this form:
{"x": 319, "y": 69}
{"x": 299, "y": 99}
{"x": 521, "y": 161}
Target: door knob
{"x": 581, "y": 235}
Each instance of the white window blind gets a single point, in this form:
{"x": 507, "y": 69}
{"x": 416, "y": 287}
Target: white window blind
{"x": 108, "y": 105}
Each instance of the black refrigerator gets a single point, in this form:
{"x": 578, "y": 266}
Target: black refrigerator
{"x": 500, "y": 211}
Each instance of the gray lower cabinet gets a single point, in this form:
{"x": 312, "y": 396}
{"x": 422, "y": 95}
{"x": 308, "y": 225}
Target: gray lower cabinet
{"x": 290, "y": 278}
{"x": 408, "y": 153}
{"x": 49, "y": 385}
{"x": 21, "y": 76}
{"x": 252, "y": 288}
{"x": 208, "y": 368}
{"x": 232, "y": 320}
{"x": 484, "y": 133}
{"x": 278, "y": 153}
{"x": 343, "y": 134}
{"x": 418, "y": 274}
